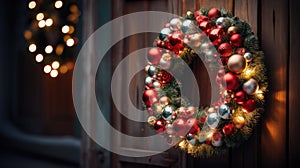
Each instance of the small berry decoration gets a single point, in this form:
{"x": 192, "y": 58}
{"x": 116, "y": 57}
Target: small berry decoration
{"x": 229, "y": 47}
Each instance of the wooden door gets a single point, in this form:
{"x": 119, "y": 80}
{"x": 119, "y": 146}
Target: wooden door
{"x": 274, "y": 141}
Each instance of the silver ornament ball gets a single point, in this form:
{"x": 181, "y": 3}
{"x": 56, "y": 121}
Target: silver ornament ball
{"x": 164, "y": 33}
{"x": 175, "y": 24}
{"x": 248, "y": 56}
{"x": 149, "y": 81}
{"x": 250, "y": 86}
{"x": 165, "y": 63}
{"x": 224, "y": 111}
{"x": 212, "y": 120}
{"x": 156, "y": 85}
{"x": 167, "y": 113}
{"x": 151, "y": 70}
{"x": 191, "y": 139}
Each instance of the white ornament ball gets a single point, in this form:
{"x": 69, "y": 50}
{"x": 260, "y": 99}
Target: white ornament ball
{"x": 250, "y": 86}
{"x": 248, "y": 56}
{"x": 236, "y": 63}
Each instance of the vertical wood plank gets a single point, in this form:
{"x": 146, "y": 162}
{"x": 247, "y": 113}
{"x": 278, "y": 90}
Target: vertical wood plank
{"x": 274, "y": 42}
{"x": 226, "y": 4}
{"x": 294, "y": 83}
{"x": 247, "y": 155}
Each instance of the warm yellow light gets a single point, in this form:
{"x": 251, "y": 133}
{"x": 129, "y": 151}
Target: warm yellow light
{"x": 40, "y": 16}
{"x": 74, "y": 9}
{"x": 32, "y": 47}
{"x": 54, "y": 73}
{"x": 65, "y": 29}
{"x": 70, "y": 65}
{"x": 59, "y": 49}
{"x": 49, "y": 22}
{"x": 49, "y": 49}
{"x": 63, "y": 69}
{"x": 31, "y": 4}
{"x": 70, "y": 42}
{"x": 27, "y": 34}
{"x": 181, "y": 144}
{"x": 209, "y": 135}
{"x": 58, "y": 4}
{"x": 47, "y": 68}
{"x": 39, "y": 58}
{"x": 55, "y": 65}
{"x": 71, "y": 29}
{"x": 42, "y": 23}
{"x": 259, "y": 94}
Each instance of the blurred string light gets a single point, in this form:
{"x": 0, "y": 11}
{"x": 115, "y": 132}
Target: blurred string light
{"x": 51, "y": 34}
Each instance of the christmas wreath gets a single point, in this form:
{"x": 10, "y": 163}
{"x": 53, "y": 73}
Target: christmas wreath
{"x": 206, "y": 131}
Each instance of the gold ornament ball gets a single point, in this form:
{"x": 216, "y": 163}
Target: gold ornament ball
{"x": 232, "y": 30}
{"x": 157, "y": 108}
{"x": 239, "y": 121}
{"x": 236, "y": 63}
{"x": 151, "y": 120}
{"x": 164, "y": 100}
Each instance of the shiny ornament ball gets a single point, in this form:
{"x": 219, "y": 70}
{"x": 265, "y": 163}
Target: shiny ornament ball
{"x": 216, "y": 36}
{"x": 167, "y": 113}
{"x": 212, "y": 120}
{"x": 205, "y": 26}
{"x": 165, "y": 63}
{"x": 240, "y": 97}
{"x": 228, "y": 129}
{"x": 224, "y": 111}
{"x": 214, "y": 13}
{"x": 236, "y": 40}
{"x": 164, "y": 77}
{"x": 175, "y": 24}
{"x": 164, "y": 100}
{"x": 187, "y": 24}
{"x": 217, "y": 139}
{"x": 156, "y": 85}
{"x": 191, "y": 139}
{"x": 157, "y": 108}
{"x": 239, "y": 121}
{"x": 195, "y": 40}
{"x": 222, "y": 22}
{"x": 147, "y": 68}
{"x": 236, "y": 63}
{"x": 250, "y": 86}
{"x": 210, "y": 55}
{"x": 170, "y": 129}
{"x": 149, "y": 81}
{"x": 159, "y": 126}
{"x": 225, "y": 49}
{"x": 149, "y": 97}
{"x": 210, "y": 110}
{"x": 152, "y": 70}
{"x": 179, "y": 126}
{"x": 201, "y": 18}
{"x": 164, "y": 33}
{"x": 249, "y": 105}
{"x": 240, "y": 51}
{"x": 248, "y": 56}
{"x": 230, "y": 81}
{"x": 192, "y": 126}
{"x": 154, "y": 55}
{"x": 151, "y": 120}
{"x": 232, "y": 30}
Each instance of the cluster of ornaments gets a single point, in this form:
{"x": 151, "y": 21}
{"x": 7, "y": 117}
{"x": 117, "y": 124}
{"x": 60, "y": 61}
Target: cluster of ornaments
{"x": 197, "y": 126}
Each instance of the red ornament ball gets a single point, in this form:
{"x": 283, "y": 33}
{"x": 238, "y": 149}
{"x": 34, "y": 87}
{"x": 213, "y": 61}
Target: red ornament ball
{"x": 230, "y": 81}
{"x": 236, "y": 40}
{"x": 175, "y": 38}
{"x": 249, "y": 105}
{"x": 149, "y": 97}
{"x": 213, "y": 13}
{"x": 154, "y": 55}
{"x": 179, "y": 126}
{"x": 240, "y": 97}
{"x": 216, "y": 36}
{"x": 228, "y": 129}
{"x": 205, "y": 26}
{"x": 164, "y": 77}
{"x": 225, "y": 49}
{"x": 192, "y": 126}
{"x": 240, "y": 51}
{"x": 201, "y": 18}
{"x": 160, "y": 126}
